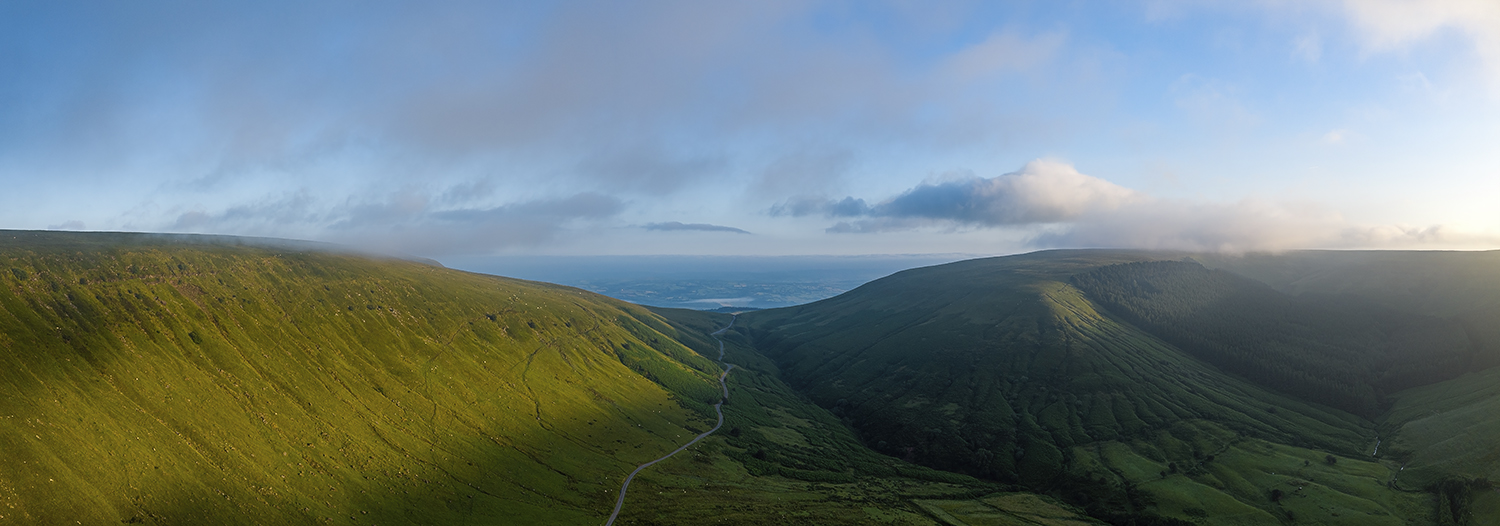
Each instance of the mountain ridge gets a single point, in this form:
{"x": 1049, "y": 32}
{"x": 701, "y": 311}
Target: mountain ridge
{"x": 151, "y": 380}
{"x": 1005, "y": 368}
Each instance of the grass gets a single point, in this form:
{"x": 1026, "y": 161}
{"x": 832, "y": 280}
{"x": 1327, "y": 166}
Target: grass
{"x": 1001, "y": 369}
{"x": 190, "y": 380}
{"x": 1447, "y": 430}
{"x": 1005, "y": 509}
{"x": 783, "y": 460}
{"x": 1235, "y": 486}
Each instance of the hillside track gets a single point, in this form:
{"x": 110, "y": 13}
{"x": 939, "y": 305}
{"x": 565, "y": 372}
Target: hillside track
{"x": 718, "y": 408}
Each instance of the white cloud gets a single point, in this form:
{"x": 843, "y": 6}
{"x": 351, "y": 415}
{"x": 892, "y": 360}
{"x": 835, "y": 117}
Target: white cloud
{"x": 405, "y": 221}
{"x": 1048, "y": 191}
{"x": 1387, "y": 25}
{"x": 1247, "y": 225}
{"x": 1042, "y": 191}
{"x": 1062, "y": 207}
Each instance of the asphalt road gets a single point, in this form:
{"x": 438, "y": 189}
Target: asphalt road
{"x": 718, "y": 408}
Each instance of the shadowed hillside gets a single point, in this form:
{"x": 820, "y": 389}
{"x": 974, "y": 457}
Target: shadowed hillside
{"x": 1003, "y": 369}
{"x": 189, "y": 380}
{"x": 1337, "y": 350}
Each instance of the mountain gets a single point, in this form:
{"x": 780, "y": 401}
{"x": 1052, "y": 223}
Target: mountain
{"x": 200, "y": 380}
{"x": 1134, "y": 383}
{"x": 150, "y": 379}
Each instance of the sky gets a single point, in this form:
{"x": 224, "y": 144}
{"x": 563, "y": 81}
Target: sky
{"x": 765, "y": 127}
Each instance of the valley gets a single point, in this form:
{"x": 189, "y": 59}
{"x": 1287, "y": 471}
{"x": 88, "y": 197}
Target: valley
{"x": 195, "y": 379}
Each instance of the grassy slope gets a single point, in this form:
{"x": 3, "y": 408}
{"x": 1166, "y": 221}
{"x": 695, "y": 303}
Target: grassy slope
{"x": 1445, "y": 429}
{"x": 1464, "y": 286}
{"x": 811, "y": 469}
{"x": 1440, "y": 283}
{"x": 1439, "y": 431}
{"x": 1338, "y": 350}
{"x": 1445, "y": 432}
{"x": 999, "y": 368}
{"x": 178, "y": 380}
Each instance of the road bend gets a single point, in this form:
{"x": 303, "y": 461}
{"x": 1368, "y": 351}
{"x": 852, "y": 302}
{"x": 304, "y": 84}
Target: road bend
{"x": 718, "y": 408}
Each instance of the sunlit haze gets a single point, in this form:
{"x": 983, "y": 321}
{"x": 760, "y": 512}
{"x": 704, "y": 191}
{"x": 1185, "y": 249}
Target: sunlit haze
{"x": 758, "y": 128}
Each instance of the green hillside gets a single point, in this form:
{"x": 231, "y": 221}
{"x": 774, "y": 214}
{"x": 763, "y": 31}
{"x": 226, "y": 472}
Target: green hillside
{"x": 783, "y": 460}
{"x": 1003, "y": 369}
{"x": 1335, "y": 350}
{"x": 1440, "y": 283}
{"x": 1462, "y": 286}
{"x": 1446, "y": 438}
{"x": 156, "y": 379}
{"x": 192, "y": 380}
{"x": 1447, "y": 429}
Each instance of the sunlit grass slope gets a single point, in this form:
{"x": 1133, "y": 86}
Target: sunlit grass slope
{"x": 1000, "y": 368}
{"x": 189, "y": 380}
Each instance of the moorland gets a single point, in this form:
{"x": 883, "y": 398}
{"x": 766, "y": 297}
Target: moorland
{"x": 155, "y": 379}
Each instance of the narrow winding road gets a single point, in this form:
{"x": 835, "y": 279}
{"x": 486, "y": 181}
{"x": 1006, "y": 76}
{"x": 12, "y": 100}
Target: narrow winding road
{"x": 719, "y": 408}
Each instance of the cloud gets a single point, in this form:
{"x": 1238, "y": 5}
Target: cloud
{"x": 266, "y": 216}
{"x": 817, "y": 205}
{"x": 469, "y": 191}
{"x": 1004, "y": 52}
{"x": 1239, "y": 226}
{"x": 1387, "y": 25}
{"x": 1061, "y": 207}
{"x": 877, "y": 225}
{"x": 702, "y": 227}
{"x": 1042, "y": 191}
{"x": 339, "y": 119}
{"x": 406, "y": 221}
{"x": 1246, "y": 225}
{"x": 802, "y": 172}
{"x": 649, "y": 170}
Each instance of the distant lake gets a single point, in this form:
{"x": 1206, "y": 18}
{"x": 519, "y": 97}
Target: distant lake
{"x": 704, "y": 282}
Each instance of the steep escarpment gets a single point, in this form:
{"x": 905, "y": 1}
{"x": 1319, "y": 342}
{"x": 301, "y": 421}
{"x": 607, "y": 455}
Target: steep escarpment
{"x": 191, "y": 380}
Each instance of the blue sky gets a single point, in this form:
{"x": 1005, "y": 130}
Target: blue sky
{"x": 766, "y": 127}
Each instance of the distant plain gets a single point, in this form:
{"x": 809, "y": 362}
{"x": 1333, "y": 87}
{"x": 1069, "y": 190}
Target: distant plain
{"x": 704, "y": 282}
